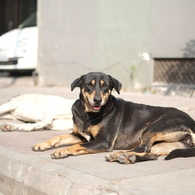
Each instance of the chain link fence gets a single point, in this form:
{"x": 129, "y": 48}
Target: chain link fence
{"x": 175, "y": 73}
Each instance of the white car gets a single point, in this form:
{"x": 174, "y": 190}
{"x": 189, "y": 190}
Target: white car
{"x": 18, "y": 47}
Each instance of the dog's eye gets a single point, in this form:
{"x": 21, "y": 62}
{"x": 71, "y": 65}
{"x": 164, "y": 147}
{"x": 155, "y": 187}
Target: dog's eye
{"x": 89, "y": 84}
{"x": 105, "y": 85}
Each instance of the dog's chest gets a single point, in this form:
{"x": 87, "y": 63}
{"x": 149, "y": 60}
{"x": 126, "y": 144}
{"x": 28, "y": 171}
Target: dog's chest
{"x": 88, "y": 132}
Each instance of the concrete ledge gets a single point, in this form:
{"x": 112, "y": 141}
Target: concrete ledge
{"x": 36, "y": 173}
{"x": 23, "y": 171}
{"x": 30, "y": 175}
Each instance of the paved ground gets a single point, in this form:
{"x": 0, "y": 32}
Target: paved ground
{"x": 25, "y": 172}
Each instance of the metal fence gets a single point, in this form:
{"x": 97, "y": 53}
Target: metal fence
{"x": 179, "y": 71}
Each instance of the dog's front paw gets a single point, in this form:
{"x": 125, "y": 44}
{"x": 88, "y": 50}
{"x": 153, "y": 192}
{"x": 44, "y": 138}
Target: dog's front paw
{"x": 41, "y": 146}
{"x": 60, "y": 153}
{"x": 6, "y": 127}
{"x": 121, "y": 157}
{"x": 130, "y": 157}
{"x": 73, "y": 150}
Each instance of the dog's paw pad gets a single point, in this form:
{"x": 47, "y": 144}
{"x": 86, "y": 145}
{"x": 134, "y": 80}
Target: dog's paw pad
{"x": 127, "y": 158}
{"x": 113, "y": 157}
{"x": 110, "y": 158}
{"x": 59, "y": 154}
{"x": 132, "y": 158}
{"x": 123, "y": 160}
{"x": 6, "y": 127}
{"x": 41, "y": 147}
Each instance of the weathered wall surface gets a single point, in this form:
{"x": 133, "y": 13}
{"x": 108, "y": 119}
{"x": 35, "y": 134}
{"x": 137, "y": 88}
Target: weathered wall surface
{"x": 76, "y": 37}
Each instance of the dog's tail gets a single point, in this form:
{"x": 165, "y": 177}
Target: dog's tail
{"x": 185, "y": 152}
{"x": 189, "y": 152}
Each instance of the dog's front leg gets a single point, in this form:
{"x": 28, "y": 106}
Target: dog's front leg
{"x": 95, "y": 146}
{"x": 57, "y": 141}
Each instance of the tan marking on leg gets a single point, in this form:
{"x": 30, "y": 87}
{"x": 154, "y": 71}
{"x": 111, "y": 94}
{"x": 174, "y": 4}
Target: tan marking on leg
{"x": 165, "y": 137}
{"x": 68, "y": 140}
{"x": 56, "y": 142}
{"x": 72, "y": 150}
{"x": 164, "y": 148}
{"x": 170, "y": 137}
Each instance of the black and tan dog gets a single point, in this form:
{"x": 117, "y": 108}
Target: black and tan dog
{"x": 103, "y": 123}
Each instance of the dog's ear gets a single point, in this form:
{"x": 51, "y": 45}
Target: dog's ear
{"x": 115, "y": 84}
{"x": 76, "y": 83}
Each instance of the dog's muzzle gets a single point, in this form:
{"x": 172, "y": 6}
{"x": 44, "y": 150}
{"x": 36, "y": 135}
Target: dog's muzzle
{"x": 97, "y": 103}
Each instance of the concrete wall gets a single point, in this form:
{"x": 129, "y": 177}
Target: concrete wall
{"x": 76, "y": 37}
{"x": 173, "y": 28}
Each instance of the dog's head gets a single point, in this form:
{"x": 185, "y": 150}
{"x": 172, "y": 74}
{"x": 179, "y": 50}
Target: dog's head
{"x": 96, "y": 88}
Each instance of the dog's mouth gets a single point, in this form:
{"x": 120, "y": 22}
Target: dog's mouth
{"x": 96, "y": 108}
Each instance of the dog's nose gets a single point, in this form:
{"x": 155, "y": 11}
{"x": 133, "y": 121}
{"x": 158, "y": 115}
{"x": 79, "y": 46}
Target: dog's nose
{"x": 97, "y": 99}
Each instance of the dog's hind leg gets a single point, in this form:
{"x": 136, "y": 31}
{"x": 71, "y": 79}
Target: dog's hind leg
{"x": 131, "y": 157}
{"x": 182, "y": 152}
{"x": 149, "y": 138}
{"x": 45, "y": 124}
{"x": 6, "y": 108}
